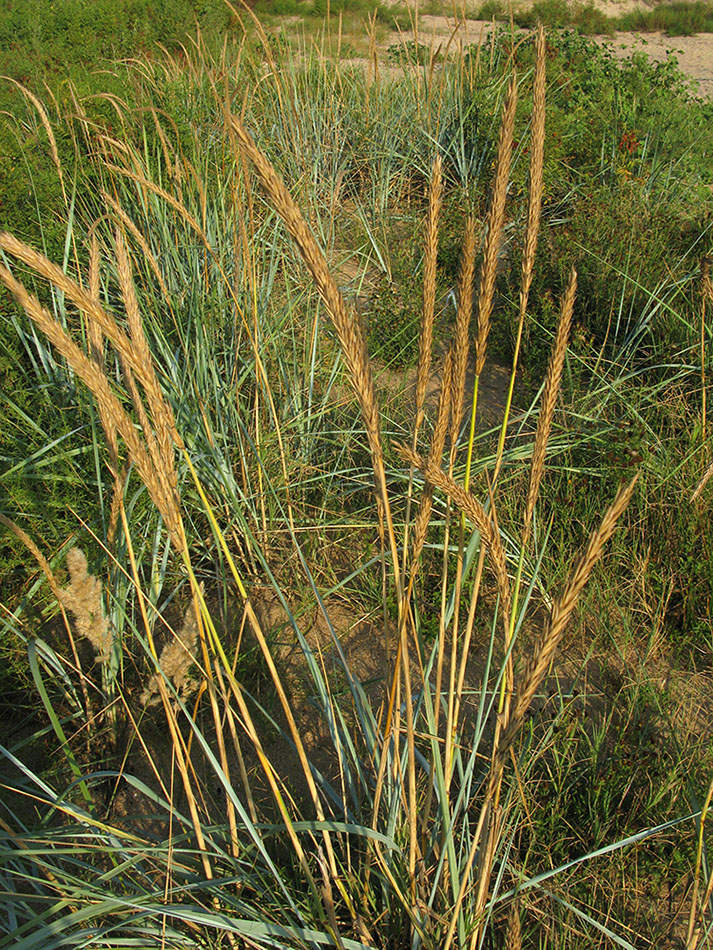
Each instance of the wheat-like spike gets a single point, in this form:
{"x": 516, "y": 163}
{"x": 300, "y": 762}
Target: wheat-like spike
{"x": 94, "y": 331}
{"x": 83, "y": 300}
{"x": 164, "y": 143}
{"x": 353, "y": 345}
{"x": 140, "y": 240}
{"x": 496, "y": 219}
{"x": 513, "y": 936}
{"x": 467, "y": 502}
{"x": 463, "y": 317}
{"x": 84, "y": 598}
{"x": 144, "y": 182}
{"x": 95, "y": 336}
{"x": 177, "y": 657}
{"x": 170, "y": 159}
{"x": 163, "y": 419}
{"x": 537, "y": 151}
{"x": 96, "y": 345}
{"x": 563, "y": 608}
{"x": 44, "y": 564}
{"x": 425, "y": 339}
{"x": 423, "y": 515}
{"x": 157, "y": 435}
{"x": 117, "y": 501}
{"x": 144, "y": 423}
{"x": 705, "y": 478}
{"x": 131, "y": 304}
{"x": 155, "y": 477}
{"x": 200, "y": 187}
{"x": 430, "y": 256}
{"x": 534, "y": 208}
{"x": 109, "y": 405}
{"x": 473, "y": 510}
{"x": 44, "y": 118}
{"x": 113, "y": 150}
{"x": 347, "y": 326}
{"x": 549, "y": 398}
{"x": 36, "y": 553}
{"x": 349, "y": 330}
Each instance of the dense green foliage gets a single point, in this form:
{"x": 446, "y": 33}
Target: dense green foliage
{"x": 56, "y": 38}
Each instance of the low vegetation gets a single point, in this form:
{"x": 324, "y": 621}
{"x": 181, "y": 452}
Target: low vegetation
{"x": 314, "y": 633}
{"x": 684, "y": 18}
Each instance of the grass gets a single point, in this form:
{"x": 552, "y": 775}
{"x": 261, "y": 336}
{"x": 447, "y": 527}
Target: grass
{"x": 685, "y": 18}
{"x": 237, "y": 516}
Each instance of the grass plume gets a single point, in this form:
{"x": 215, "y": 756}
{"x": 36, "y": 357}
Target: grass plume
{"x": 549, "y": 398}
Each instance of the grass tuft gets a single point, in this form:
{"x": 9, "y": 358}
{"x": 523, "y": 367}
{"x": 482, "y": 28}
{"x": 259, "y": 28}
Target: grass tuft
{"x": 311, "y": 691}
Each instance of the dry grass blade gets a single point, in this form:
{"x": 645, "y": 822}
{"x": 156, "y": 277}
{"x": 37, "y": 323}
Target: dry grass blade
{"x": 695, "y": 913}
{"x": 549, "y": 398}
{"x": 707, "y": 295}
{"x": 496, "y": 219}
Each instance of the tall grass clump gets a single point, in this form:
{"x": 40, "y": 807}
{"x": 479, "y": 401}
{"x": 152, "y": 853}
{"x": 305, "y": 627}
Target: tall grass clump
{"x": 291, "y": 671}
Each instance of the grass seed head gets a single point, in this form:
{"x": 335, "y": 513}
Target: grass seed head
{"x": 496, "y": 220}
{"x": 83, "y": 598}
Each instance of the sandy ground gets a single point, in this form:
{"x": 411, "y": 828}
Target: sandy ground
{"x": 694, "y": 53}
